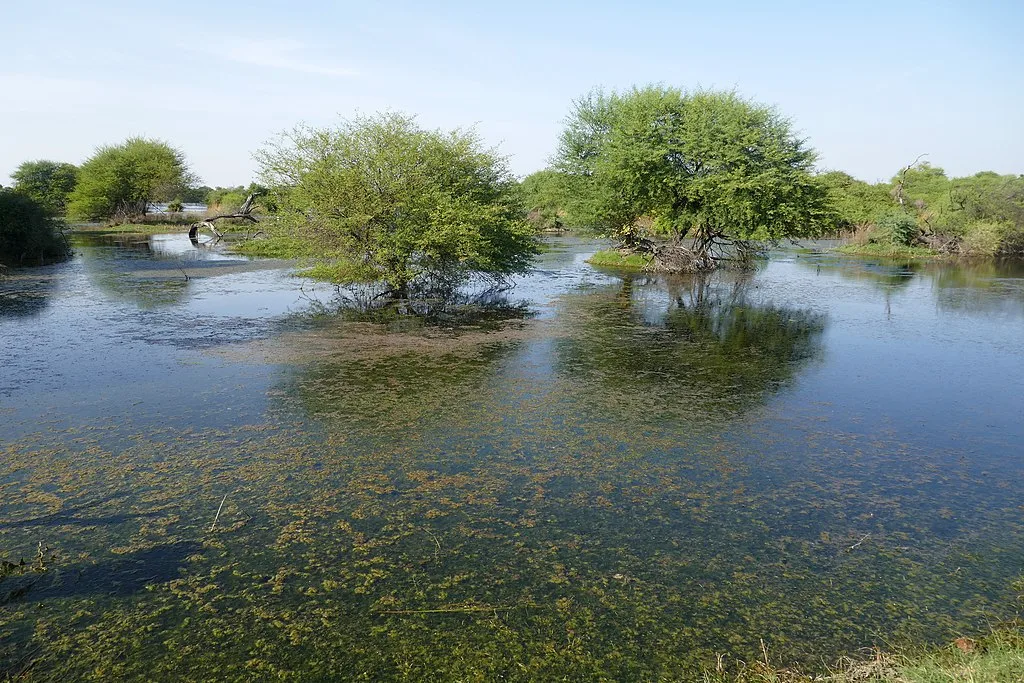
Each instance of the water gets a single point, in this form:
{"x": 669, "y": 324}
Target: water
{"x": 608, "y": 477}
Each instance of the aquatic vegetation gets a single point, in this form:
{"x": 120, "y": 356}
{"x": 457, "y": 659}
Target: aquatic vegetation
{"x": 612, "y": 483}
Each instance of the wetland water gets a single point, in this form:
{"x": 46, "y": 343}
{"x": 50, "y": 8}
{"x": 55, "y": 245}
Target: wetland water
{"x": 606, "y": 477}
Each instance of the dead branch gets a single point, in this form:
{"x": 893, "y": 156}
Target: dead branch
{"x": 244, "y": 213}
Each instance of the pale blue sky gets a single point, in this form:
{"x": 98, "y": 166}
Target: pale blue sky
{"x": 871, "y": 84}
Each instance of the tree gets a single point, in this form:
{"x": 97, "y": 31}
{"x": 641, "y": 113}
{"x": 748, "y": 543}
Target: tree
{"x": 119, "y": 181}
{"x": 706, "y": 167}
{"x": 48, "y": 182}
{"x": 387, "y": 201}
{"x": 856, "y": 202}
{"x": 548, "y": 195}
{"x": 28, "y": 233}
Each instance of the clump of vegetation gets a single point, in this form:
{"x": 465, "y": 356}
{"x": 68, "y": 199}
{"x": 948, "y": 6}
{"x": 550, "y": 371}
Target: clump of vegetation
{"x": 49, "y": 183}
{"x": 686, "y": 177}
{"x": 615, "y": 258}
{"x": 383, "y": 200}
{"x": 923, "y": 212}
{"x": 548, "y": 195}
{"x": 29, "y": 235}
{"x": 119, "y": 182}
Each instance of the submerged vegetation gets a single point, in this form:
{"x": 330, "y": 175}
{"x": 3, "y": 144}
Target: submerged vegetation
{"x": 622, "y": 476}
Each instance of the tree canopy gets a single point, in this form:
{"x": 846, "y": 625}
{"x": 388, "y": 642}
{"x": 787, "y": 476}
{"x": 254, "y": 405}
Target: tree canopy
{"x": 385, "y": 200}
{"x": 48, "y": 182}
{"x": 704, "y": 165}
{"x": 119, "y": 181}
{"x": 28, "y": 233}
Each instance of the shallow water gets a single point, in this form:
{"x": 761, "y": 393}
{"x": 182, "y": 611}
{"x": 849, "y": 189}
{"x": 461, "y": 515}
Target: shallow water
{"x": 608, "y": 477}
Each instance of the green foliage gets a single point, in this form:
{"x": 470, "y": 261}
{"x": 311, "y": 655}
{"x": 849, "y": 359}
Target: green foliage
{"x": 175, "y": 206}
{"x": 225, "y": 199}
{"x": 979, "y": 208}
{"x": 398, "y": 202}
{"x": 614, "y": 258}
{"x": 702, "y": 162}
{"x": 855, "y": 202}
{"x": 548, "y": 195}
{"x": 895, "y": 227}
{"x": 48, "y": 182}
{"x": 119, "y": 181}
{"x": 924, "y": 186}
{"x": 28, "y": 234}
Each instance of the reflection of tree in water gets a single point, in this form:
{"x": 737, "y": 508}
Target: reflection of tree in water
{"x": 982, "y": 287}
{"x": 110, "y": 261}
{"x": 24, "y": 295}
{"x": 705, "y": 351}
{"x": 380, "y": 367}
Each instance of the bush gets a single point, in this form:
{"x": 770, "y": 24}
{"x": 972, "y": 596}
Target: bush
{"x": 28, "y": 234}
{"x": 895, "y": 227}
{"x": 983, "y": 238}
{"x": 176, "y": 206}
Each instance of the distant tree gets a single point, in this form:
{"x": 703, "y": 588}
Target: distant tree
{"x": 48, "y": 182}
{"x": 28, "y": 233}
{"x": 119, "y": 181}
{"x": 707, "y": 167}
{"x": 548, "y": 196}
{"x": 196, "y": 195}
{"x": 856, "y": 202}
{"x": 392, "y": 202}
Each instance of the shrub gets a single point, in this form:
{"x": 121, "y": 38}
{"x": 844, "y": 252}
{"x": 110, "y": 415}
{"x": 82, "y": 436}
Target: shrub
{"x": 895, "y": 227}
{"x": 175, "y": 206}
{"x": 28, "y": 234}
{"x": 982, "y": 238}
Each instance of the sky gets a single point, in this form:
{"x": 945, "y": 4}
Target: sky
{"x": 871, "y": 85}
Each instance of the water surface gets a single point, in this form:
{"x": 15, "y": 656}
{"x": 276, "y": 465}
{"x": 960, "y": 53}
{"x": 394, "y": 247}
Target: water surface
{"x": 603, "y": 476}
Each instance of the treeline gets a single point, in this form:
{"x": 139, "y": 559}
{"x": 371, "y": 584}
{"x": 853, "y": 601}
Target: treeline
{"x": 978, "y": 215}
{"x": 684, "y": 180}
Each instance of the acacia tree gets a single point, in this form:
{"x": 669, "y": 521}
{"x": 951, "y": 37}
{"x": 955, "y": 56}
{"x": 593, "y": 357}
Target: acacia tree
{"x": 48, "y": 182}
{"x": 386, "y": 201}
{"x": 703, "y": 169}
{"x": 120, "y": 181}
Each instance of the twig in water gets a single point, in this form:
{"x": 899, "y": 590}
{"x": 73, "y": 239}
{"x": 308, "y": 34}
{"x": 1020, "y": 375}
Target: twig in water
{"x": 446, "y": 610}
{"x": 217, "y": 516}
{"x": 863, "y": 538}
{"x": 437, "y": 553}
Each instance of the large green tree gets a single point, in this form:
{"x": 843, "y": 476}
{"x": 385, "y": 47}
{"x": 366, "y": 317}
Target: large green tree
{"x": 119, "y": 181}
{"x": 387, "y": 201}
{"x": 48, "y": 182}
{"x": 704, "y": 169}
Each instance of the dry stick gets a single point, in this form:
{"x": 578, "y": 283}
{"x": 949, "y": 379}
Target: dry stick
{"x": 217, "y": 516}
{"x": 863, "y": 538}
{"x": 446, "y": 610}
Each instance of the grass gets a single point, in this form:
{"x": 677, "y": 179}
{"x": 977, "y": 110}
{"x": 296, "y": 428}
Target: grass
{"x": 995, "y": 658}
{"x": 613, "y": 258}
{"x": 886, "y": 250}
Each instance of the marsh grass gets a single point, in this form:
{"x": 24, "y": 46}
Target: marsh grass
{"x": 613, "y": 258}
{"x": 887, "y": 250}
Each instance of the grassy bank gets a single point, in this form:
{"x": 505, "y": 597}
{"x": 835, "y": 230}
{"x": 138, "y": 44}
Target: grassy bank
{"x": 613, "y": 258}
{"x": 887, "y": 251}
{"x": 995, "y": 658}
